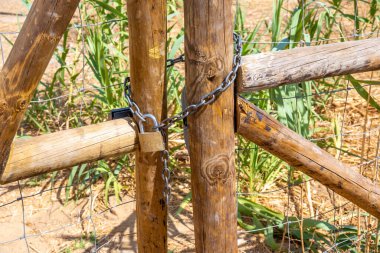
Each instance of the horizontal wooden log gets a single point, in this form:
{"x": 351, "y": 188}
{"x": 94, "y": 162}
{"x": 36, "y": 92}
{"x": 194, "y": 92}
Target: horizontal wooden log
{"x": 273, "y": 69}
{"x": 260, "y": 128}
{"x": 64, "y": 149}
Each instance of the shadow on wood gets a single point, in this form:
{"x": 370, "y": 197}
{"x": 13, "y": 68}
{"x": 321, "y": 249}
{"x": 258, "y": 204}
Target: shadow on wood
{"x": 257, "y": 126}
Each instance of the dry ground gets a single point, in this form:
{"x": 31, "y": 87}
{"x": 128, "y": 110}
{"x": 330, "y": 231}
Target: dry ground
{"x": 52, "y": 225}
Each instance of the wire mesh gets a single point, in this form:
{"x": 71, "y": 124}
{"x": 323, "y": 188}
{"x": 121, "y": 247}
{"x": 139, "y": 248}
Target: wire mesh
{"x": 361, "y": 160}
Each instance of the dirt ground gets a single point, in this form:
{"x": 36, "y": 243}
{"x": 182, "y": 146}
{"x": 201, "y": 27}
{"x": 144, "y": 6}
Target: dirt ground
{"x": 52, "y": 225}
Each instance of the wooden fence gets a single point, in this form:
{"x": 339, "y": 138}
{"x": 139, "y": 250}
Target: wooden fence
{"x": 209, "y": 58}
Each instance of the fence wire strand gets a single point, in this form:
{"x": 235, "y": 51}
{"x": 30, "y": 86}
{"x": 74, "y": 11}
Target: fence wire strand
{"x": 86, "y": 89}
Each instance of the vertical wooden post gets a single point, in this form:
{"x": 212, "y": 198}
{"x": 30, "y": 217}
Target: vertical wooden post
{"x": 147, "y": 46}
{"x": 208, "y": 48}
{"x": 26, "y": 63}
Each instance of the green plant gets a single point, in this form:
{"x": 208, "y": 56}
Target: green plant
{"x": 317, "y": 235}
{"x": 258, "y": 170}
{"x": 104, "y": 41}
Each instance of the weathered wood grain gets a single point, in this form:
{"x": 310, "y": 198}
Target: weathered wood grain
{"x": 147, "y": 47}
{"x": 64, "y": 149}
{"x": 272, "y": 69}
{"x": 26, "y": 63}
{"x": 257, "y": 126}
{"x": 208, "y": 49}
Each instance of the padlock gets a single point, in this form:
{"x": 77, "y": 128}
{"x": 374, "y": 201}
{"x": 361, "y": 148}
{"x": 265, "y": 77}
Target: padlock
{"x": 150, "y": 141}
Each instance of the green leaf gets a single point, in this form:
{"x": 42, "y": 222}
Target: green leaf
{"x": 110, "y": 8}
{"x": 311, "y": 224}
{"x": 184, "y": 203}
{"x": 70, "y": 182}
{"x": 363, "y": 93}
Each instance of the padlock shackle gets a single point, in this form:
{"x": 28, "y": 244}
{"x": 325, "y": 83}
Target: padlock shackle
{"x": 148, "y": 116}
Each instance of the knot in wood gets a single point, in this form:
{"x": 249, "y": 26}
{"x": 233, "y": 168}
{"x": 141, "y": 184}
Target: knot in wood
{"x": 215, "y": 67}
{"x": 217, "y": 169}
{"x": 3, "y": 107}
{"x": 200, "y": 57}
{"x": 51, "y": 38}
{"x": 21, "y": 105}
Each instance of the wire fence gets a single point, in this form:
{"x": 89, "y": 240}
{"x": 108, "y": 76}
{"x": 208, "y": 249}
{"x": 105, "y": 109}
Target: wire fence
{"x": 284, "y": 187}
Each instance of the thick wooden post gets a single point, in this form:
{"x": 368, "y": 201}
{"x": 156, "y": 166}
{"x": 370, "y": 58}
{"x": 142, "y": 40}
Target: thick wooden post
{"x": 208, "y": 48}
{"x": 256, "y": 125}
{"x": 147, "y": 43}
{"x": 43, "y": 28}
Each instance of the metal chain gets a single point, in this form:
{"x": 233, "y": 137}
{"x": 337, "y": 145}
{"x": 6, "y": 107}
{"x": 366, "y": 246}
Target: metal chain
{"x": 127, "y": 88}
{"x": 210, "y": 97}
{"x": 165, "y": 158}
{"x": 171, "y": 62}
{"x": 132, "y": 105}
{"x": 205, "y": 100}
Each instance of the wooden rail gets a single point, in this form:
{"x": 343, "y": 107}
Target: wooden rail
{"x": 257, "y": 126}
{"x": 50, "y": 152}
{"x": 26, "y": 63}
{"x": 64, "y": 149}
{"x": 147, "y": 48}
{"x": 208, "y": 49}
{"x": 273, "y": 69}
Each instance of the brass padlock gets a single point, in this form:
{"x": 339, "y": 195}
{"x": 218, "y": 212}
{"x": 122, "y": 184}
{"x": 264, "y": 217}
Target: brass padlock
{"x": 150, "y": 141}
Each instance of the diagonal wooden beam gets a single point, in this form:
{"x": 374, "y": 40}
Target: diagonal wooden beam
{"x": 273, "y": 69}
{"x": 42, "y": 30}
{"x": 257, "y": 126}
{"x": 64, "y": 149}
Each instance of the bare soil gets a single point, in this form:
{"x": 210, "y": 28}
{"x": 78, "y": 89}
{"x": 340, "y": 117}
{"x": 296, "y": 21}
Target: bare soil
{"x": 54, "y": 225}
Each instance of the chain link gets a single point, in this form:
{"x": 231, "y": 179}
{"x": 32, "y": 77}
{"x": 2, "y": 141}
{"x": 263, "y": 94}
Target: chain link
{"x": 210, "y": 97}
{"x": 127, "y": 88}
{"x": 132, "y": 105}
{"x": 205, "y": 100}
{"x": 171, "y": 62}
{"x": 166, "y": 192}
